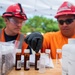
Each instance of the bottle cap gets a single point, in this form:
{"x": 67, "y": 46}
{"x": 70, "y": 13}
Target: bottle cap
{"x": 26, "y": 51}
{"x": 18, "y": 50}
{"x": 47, "y": 51}
{"x": 71, "y": 41}
{"x": 42, "y": 54}
{"x": 59, "y": 50}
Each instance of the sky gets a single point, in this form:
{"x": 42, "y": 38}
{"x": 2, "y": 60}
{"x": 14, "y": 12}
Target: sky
{"x": 47, "y": 8}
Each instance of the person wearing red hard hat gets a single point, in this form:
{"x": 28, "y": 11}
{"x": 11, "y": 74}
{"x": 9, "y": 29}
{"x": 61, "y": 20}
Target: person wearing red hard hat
{"x": 55, "y": 40}
{"x": 14, "y": 18}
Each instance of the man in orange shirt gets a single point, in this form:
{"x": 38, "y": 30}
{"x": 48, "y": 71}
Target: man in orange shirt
{"x": 55, "y": 40}
{"x": 14, "y": 18}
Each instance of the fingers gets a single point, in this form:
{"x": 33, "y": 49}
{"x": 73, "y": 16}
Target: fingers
{"x": 38, "y": 45}
{"x": 34, "y": 40}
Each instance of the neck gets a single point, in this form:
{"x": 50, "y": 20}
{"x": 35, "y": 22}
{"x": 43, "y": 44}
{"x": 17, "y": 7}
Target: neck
{"x": 9, "y": 32}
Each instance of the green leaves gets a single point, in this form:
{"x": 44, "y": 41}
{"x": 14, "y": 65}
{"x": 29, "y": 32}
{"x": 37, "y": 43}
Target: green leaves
{"x": 41, "y": 24}
{"x": 2, "y": 24}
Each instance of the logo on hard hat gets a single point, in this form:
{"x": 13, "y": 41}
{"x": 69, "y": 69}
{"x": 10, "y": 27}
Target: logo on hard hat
{"x": 17, "y": 10}
{"x": 65, "y": 7}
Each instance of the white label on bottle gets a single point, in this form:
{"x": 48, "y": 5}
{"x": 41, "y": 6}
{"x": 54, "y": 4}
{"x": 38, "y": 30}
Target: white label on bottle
{"x": 18, "y": 64}
{"x": 38, "y": 64}
{"x": 3, "y": 70}
{"x": 27, "y": 64}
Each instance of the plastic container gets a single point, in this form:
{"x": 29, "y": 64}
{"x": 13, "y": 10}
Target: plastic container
{"x": 47, "y": 52}
{"x": 65, "y": 55}
{"x": 26, "y": 59}
{"x": 0, "y": 62}
{"x": 71, "y": 61}
{"x": 58, "y": 55}
{"x": 42, "y": 63}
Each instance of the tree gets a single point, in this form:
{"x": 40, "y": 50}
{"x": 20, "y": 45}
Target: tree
{"x": 2, "y": 24}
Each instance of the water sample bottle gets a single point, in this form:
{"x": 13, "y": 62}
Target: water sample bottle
{"x": 18, "y": 59}
{"x": 26, "y": 59}
{"x": 58, "y": 55}
{"x": 37, "y": 58}
{"x": 0, "y": 61}
{"x": 47, "y": 52}
{"x": 42, "y": 63}
{"x": 68, "y": 51}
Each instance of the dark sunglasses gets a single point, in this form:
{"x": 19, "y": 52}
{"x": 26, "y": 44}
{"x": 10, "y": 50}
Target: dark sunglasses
{"x": 67, "y": 21}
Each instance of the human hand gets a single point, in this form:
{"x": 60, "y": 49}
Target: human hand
{"x": 34, "y": 40}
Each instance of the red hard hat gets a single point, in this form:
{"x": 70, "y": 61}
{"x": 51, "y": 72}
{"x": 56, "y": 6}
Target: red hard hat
{"x": 16, "y": 11}
{"x": 65, "y": 9}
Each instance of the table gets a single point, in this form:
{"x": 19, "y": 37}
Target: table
{"x": 57, "y": 70}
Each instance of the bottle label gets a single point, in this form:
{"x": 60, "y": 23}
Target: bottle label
{"x": 3, "y": 64}
{"x": 3, "y": 70}
{"x": 27, "y": 64}
{"x": 38, "y": 64}
{"x": 18, "y": 64}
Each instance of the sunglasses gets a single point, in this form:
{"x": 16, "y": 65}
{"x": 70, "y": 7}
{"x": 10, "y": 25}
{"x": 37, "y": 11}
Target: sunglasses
{"x": 67, "y": 21}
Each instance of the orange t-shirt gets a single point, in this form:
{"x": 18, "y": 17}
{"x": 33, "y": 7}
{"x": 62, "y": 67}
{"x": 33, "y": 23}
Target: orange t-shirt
{"x": 54, "y": 41}
{"x": 2, "y": 39}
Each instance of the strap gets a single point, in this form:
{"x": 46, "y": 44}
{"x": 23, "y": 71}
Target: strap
{"x": 0, "y": 33}
{"x": 21, "y": 41}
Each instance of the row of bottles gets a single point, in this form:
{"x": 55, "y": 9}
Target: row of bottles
{"x": 26, "y": 59}
{"x": 39, "y": 57}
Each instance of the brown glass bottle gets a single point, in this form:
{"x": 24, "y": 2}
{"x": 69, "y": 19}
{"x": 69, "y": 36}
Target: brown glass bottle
{"x": 37, "y": 57}
{"x": 26, "y": 59}
{"x": 18, "y": 60}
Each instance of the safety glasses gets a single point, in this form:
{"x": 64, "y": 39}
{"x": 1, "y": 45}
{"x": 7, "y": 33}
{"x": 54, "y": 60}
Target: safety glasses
{"x": 67, "y": 21}
{"x": 16, "y": 22}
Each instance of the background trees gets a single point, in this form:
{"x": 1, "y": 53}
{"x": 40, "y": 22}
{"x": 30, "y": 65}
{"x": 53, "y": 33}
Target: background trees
{"x": 2, "y": 24}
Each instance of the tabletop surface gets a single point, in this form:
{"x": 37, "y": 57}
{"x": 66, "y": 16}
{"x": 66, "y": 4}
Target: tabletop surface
{"x": 57, "y": 70}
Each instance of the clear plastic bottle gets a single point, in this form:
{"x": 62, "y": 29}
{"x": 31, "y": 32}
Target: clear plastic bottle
{"x": 0, "y": 62}
{"x": 47, "y": 52}
{"x": 66, "y": 51}
{"x": 42, "y": 63}
{"x": 18, "y": 59}
{"x": 58, "y": 55}
{"x": 71, "y": 57}
{"x": 26, "y": 59}
{"x": 37, "y": 58}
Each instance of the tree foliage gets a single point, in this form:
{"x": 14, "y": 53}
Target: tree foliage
{"x": 41, "y": 24}
{"x": 2, "y": 24}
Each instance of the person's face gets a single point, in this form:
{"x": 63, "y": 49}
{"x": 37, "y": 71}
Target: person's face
{"x": 13, "y": 25}
{"x": 67, "y": 25}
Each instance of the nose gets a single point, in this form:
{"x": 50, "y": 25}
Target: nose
{"x": 64, "y": 24}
